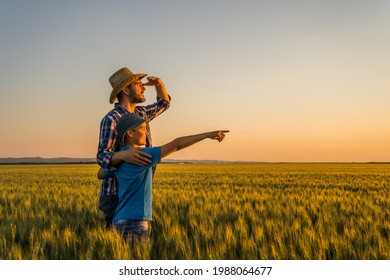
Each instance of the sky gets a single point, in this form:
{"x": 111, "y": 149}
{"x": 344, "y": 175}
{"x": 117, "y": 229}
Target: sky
{"x": 293, "y": 81}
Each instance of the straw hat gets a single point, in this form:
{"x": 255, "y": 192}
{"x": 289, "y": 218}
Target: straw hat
{"x": 120, "y": 79}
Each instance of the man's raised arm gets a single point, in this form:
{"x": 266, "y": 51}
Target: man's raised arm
{"x": 160, "y": 87}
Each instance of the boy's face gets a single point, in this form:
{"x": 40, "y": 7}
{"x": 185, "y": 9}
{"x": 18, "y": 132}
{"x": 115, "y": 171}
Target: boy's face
{"x": 139, "y": 135}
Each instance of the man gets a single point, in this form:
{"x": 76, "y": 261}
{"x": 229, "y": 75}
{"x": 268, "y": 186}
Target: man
{"x": 134, "y": 211}
{"x": 129, "y": 90}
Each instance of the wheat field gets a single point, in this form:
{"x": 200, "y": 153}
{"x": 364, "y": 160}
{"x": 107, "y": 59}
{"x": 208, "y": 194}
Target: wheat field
{"x": 203, "y": 211}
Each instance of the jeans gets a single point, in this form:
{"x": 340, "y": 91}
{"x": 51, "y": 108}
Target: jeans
{"x": 108, "y": 205}
{"x": 134, "y": 230}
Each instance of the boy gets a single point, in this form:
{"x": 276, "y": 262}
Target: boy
{"x": 134, "y": 212}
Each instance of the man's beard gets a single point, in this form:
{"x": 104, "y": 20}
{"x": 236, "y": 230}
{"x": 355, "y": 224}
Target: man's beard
{"x": 136, "y": 99}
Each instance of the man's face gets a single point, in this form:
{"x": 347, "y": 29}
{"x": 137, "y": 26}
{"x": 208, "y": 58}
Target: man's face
{"x": 137, "y": 92}
{"x": 139, "y": 135}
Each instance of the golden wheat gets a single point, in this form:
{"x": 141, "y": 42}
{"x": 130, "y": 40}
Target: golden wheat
{"x": 221, "y": 211}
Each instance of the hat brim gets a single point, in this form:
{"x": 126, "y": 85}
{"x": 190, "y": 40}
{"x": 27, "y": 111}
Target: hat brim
{"x": 117, "y": 89}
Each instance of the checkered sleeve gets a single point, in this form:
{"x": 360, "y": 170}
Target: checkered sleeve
{"x": 106, "y": 142}
{"x": 153, "y": 110}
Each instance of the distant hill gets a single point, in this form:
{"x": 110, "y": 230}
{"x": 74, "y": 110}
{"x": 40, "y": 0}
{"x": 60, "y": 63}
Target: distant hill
{"x": 46, "y": 160}
{"x": 193, "y": 161}
{"x": 64, "y": 160}
{"x": 38, "y": 160}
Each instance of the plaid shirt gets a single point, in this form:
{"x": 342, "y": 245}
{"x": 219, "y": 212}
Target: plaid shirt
{"x": 107, "y": 138}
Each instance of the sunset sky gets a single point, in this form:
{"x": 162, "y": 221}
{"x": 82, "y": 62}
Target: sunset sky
{"x": 292, "y": 80}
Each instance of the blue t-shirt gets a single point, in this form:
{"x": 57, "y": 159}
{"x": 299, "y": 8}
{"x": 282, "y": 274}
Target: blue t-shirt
{"x": 135, "y": 188}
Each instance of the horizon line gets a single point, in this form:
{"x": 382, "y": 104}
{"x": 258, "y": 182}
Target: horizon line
{"x": 16, "y": 160}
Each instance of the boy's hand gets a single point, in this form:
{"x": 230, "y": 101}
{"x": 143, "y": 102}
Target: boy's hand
{"x": 100, "y": 174}
{"x": 218, "y": 135}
